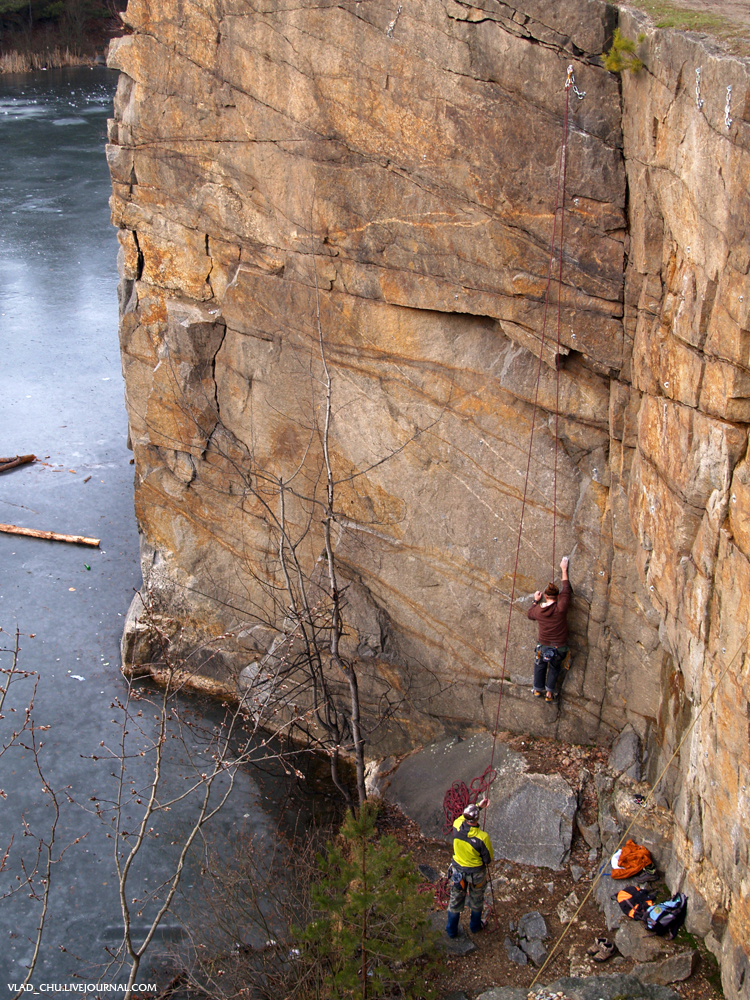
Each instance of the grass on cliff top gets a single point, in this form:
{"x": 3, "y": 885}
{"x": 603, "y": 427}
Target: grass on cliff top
{"x": 709, "y": 21}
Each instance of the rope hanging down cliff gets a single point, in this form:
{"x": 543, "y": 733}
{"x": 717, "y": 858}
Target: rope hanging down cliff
{"x": 459, "y": 794}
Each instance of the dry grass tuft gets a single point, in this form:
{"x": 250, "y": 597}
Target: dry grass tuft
{"x": 25, "y": 62}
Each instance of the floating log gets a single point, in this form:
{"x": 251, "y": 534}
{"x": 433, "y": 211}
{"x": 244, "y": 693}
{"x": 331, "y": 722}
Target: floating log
{"x": 14, "y": 461}
{"x": 50, "y": 536}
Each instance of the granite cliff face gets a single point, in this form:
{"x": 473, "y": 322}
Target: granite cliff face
{"x": 687, "y": 140}
{"x": 390, "y": 170}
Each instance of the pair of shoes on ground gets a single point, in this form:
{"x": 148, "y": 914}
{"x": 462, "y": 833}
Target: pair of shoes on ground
{"x": 601, "y": 949}
{"x": 647, "y": 874}
{"x": 547, "y": 695}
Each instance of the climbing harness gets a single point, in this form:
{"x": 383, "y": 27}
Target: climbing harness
{"x": 459, "y": 795}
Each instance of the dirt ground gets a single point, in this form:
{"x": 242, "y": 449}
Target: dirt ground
{"x": 522, "y": 888}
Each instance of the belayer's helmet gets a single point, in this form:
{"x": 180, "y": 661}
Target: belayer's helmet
{"x": 471, "y": 811}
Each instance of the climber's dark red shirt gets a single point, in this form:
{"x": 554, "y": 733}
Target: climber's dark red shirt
{"x": 553, "y": 620}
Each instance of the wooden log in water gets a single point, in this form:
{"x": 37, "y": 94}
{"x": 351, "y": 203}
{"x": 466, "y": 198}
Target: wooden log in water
{"x": 14, "y": 461}
{"x": 51, "y": 536}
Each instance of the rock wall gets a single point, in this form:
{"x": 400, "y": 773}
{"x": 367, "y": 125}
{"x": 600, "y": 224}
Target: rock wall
{"x": 382, "y": 177}
{"x": 412, "y": 174}
{"x": 686, "y": 293}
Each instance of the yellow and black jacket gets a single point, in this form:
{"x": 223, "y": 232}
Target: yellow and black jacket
{"x": 472, "y": 847}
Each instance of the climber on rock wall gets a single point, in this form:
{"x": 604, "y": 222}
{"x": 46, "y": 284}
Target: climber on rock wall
{"x": 550, "y": 610}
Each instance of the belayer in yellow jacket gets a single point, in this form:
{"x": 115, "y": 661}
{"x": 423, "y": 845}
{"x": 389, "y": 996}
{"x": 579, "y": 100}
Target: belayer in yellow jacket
{"x": 472, "y": 853}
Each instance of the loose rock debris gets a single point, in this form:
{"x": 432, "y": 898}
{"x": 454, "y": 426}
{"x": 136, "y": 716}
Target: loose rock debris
{"x": 545, "y": 994}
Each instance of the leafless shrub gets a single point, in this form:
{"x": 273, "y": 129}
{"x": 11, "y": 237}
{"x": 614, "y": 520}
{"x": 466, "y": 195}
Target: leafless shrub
{"x": 35, "y": 862}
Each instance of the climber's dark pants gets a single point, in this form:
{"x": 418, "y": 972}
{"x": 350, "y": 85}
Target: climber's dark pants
{"x": 548, "y": 661}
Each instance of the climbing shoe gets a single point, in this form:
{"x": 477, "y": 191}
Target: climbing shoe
{"x": 604, "y": 951}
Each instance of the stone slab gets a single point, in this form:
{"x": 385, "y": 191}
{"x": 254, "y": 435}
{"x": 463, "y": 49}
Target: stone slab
{"x": 589, "y": 988}
{"x": 634, "y": 941}
{"x": 535, "y": 950}
{"x": 589, "y": 833}
{"x": 515, "y": 954}
{"x": 533, "y": 925}
{"x": 530, "y": 816}
{"x": 460, "y": 945}
{"x": 625, "y": 756}
{"x": 532, "y": 823}
{"x": 420, "y": 782}
{"x": 673, "y": 969}
{"x": 606, "y": 888}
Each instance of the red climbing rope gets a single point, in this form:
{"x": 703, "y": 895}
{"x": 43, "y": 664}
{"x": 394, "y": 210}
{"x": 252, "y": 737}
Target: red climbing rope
{"x": 558, "y": 358}
{"x": 561, "y": 173}
{"x": 459, "y": 795}
{"x": 441, "y": 889}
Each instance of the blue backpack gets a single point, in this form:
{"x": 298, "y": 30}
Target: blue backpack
{"x": 666, "y": 918}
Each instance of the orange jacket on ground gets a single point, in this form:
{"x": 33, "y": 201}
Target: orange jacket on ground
{"x": 633, "y": 859}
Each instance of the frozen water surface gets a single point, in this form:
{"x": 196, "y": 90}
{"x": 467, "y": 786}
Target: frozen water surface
{"x": 62, "y": 399}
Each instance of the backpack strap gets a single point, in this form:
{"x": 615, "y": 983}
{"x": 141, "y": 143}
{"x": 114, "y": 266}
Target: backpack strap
{"x": 462, "y": 833}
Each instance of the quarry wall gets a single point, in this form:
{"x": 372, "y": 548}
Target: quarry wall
{"x": 385, "y": 175}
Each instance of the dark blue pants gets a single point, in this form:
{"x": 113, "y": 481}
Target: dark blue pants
{"x": 548, "y": 661}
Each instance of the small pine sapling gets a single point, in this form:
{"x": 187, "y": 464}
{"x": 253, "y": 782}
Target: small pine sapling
{"x": 371, "y": 932}
{"x": 621, "y": 55}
